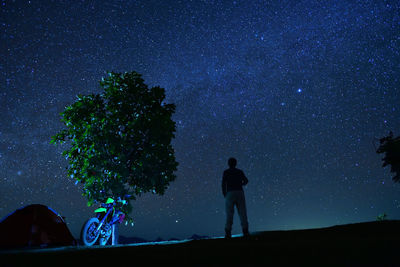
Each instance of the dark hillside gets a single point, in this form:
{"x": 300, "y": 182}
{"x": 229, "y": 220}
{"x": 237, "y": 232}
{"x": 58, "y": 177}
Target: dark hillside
{"x": 361, "y": 244}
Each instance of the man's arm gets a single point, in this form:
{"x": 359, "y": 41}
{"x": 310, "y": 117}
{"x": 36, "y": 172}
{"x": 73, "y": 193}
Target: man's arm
{"x": 224, "y": 184}
{"x": 244, "y": 179}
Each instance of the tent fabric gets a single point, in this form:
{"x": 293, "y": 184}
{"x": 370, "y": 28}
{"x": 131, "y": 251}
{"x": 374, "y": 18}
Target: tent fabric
{"x": 34, "y": 226}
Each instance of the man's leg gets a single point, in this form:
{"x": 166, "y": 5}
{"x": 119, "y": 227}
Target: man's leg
{"x": 229, "y": 208}
{"x": 241, "y": 206}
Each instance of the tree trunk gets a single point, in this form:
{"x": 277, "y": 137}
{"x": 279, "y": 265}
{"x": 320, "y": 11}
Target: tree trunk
{"x": 115, "y": 234}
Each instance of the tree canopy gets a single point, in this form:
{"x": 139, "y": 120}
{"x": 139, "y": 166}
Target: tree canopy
{"x": 120, "y": 139}
{"x": 391, "y": 148}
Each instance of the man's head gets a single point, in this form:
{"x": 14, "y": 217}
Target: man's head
{"x": 232, "y": 162}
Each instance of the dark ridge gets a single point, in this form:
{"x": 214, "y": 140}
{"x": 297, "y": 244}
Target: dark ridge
{"x": 198, "y": 237}
{"x": 359, "y": 244}
{"x": 130, "y": 240}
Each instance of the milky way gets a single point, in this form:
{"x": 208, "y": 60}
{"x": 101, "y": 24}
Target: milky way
{"x": 297, "y": 91}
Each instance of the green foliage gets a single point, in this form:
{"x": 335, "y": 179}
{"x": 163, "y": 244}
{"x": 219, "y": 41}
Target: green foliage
{"x": 120, "y": 139}
{"x": 391, "y": 148}
{"x": 381, "y": 217}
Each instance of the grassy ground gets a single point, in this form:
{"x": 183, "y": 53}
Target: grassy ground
{"x": 363, "y": 244}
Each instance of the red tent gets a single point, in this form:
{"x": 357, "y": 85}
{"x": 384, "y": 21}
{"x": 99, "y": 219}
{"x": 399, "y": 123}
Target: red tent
{"x": 34, "y": 226}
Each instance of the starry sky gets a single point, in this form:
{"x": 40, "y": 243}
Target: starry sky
{"x": 297, "y": 91}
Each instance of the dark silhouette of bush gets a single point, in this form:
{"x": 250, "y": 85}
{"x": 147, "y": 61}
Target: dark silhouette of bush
{"x": 391, "y": 148}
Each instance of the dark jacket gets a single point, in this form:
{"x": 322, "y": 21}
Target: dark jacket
{"x": 232, "y": 180}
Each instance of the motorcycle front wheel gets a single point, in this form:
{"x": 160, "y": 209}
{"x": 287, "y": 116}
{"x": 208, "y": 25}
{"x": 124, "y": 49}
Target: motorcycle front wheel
{"x": 89, "y": 233}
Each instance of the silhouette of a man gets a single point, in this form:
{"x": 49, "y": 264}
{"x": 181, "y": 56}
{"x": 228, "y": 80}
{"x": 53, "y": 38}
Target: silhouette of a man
{"x": 233, "y": 180}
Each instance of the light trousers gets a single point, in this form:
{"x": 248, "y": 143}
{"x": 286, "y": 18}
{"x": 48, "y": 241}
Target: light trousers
{"x": 232, "y": 199}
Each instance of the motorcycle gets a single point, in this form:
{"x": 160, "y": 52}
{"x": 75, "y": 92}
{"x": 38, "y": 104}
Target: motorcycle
{"x": 101, "y": 227}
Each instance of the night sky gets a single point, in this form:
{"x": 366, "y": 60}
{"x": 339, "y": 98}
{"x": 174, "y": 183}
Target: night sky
{"x": 296, "y": 90}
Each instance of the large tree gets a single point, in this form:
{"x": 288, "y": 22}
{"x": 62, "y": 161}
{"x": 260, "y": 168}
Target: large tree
{"x": 120, "y": 140}
{"x": 391, "y": 148}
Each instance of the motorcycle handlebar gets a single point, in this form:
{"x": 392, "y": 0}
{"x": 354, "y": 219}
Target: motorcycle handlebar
{"x": 119, "y": 199}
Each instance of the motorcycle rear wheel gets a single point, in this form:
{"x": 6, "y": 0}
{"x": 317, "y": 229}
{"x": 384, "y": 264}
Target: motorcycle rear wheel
{"x": 89, "y": 233}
